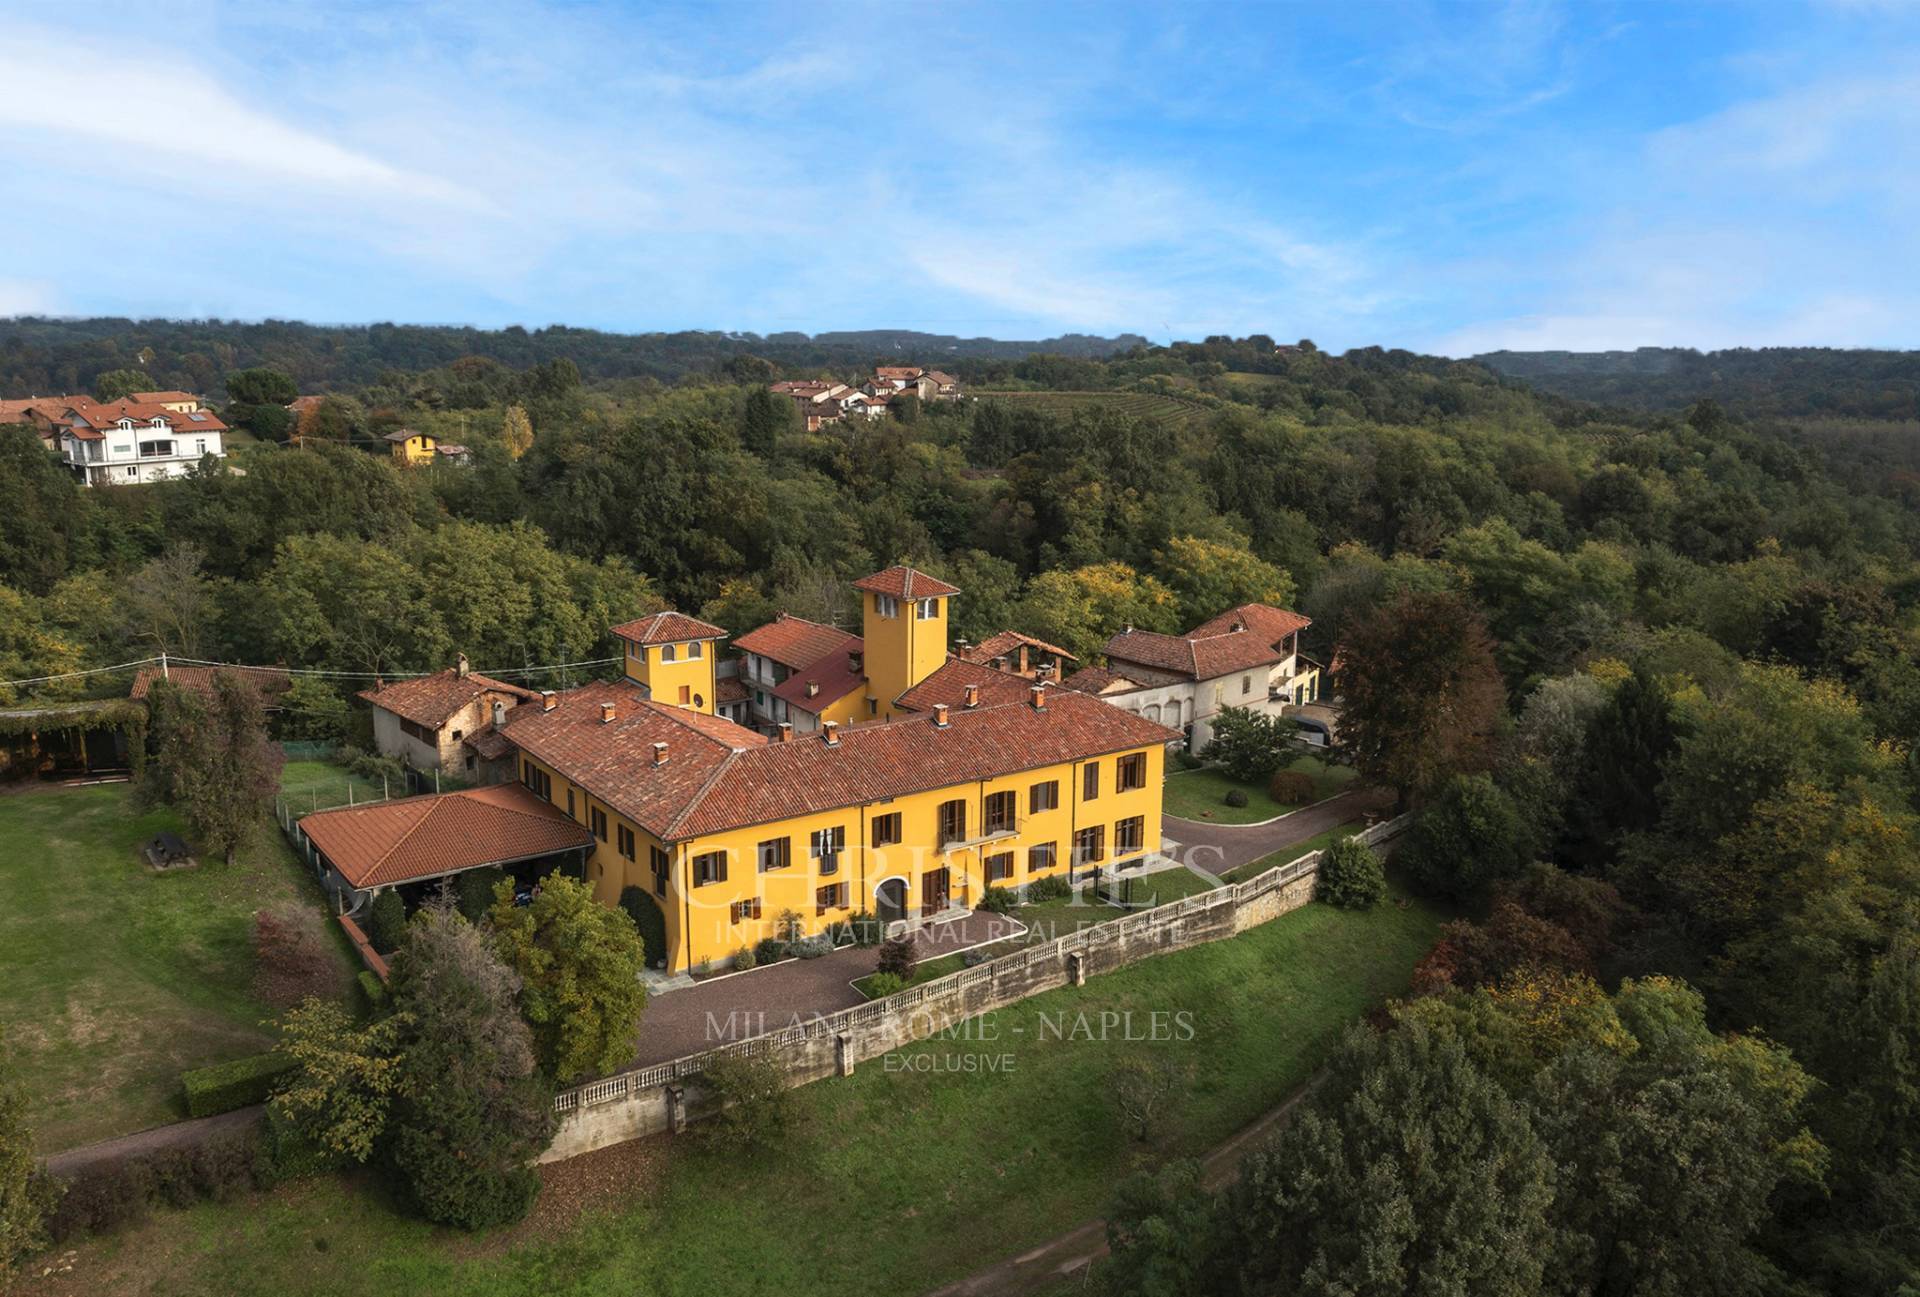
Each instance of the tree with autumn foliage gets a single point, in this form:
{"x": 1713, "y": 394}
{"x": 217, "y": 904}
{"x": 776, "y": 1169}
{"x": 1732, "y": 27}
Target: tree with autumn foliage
{"x": 1211, "y": 576}
{"x": 1421, "y": 696}
{"x": 516, "y": 432}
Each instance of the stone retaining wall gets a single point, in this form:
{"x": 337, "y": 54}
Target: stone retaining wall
{"x": 665, "y": 1096}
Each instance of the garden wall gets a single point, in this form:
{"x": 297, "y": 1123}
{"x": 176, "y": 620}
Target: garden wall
{"x": 665, "y": 1096}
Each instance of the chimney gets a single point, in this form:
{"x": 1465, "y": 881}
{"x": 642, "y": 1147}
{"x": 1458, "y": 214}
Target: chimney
{"x": 460, "y": 666}
{"x": 813, "y": 688}
{"x": 830, "y": 731}
{"x": 1127, "y": 629}
{"x": 1047, "y": 670}
{"x": 940, "y": 715}
{"x": 1038, "y": 695}
{"x": 973, "y": 695}
{"x": 1239, "y": 625}
{"x": 854, "y": 663}
{"x": 786, "y": 732}
{"x": 659, "y": 754}
{"x": 607, "y": 713}
{"x": 499, "y": 713}
{"x": 548, "y": 700}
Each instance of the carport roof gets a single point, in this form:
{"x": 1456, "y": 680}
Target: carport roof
{"x": 383, "y": 843}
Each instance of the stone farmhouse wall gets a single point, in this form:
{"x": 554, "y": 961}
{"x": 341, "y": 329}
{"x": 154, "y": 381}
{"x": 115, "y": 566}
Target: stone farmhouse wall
{"x": 666, "y": 1096}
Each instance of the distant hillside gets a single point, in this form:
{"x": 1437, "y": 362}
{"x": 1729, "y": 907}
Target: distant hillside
{"x": 1776, "y": 382}
{"x": 40, "y": 355}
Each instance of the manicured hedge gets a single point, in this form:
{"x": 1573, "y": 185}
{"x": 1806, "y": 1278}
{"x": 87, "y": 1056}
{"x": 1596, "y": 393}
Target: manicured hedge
{"x": 226, "y": 1086}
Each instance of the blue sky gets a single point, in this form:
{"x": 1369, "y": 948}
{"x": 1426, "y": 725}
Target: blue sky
{"x": 1447, "y": 178}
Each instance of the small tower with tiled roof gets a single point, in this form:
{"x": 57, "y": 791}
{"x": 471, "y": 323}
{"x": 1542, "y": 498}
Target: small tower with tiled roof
{"x": 904, "y": 619}
{"x": 672, "y": 656}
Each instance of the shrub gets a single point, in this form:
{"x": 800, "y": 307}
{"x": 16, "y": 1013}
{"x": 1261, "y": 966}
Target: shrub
{"x": 974, "y": 958}
{"x": 238, "y": 1084}
{"x": 813, "y": 947}
{"x": 650, "y": 920}
{"x": 999, "y": 900}
{"x": 770, "y": 950}
{"x": 1291, "y": 787}
{"x": 373, "y": 991}
{"x": 744, "y": 960}
{"x": 1051, "y": 888}
{"x": 1142, "y": 1090}
{"x": 789, "y": 926}
{"x": 473, "y": 892}
{"x": 290, "y": 961}
{"x": 102, "y": 1197}
{"x": 387, "y": 922}
{"x": 881, "y": 985}
{"x": 385, "y": 771}
{"x": 752, "y": 1103}
{"x": 1350, "y": 876}
{"x": 1186, "y": 760}
{"x": 286, "y": 1154}
{"x": 867, "y": 929}
{"x": 1236, "y": 798}
{"x": 898, "y": 956}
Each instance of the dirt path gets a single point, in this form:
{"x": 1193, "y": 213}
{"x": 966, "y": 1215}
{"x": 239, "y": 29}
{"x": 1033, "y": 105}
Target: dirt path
{"x": 179, "y": 1134}
{"x": 1217, "y": 848}
{"x": 1044, "y": 1267}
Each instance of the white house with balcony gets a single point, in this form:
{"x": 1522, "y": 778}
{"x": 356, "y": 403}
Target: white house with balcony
{"x": 1246, "y": 657}
{"x": 129, "y": 442}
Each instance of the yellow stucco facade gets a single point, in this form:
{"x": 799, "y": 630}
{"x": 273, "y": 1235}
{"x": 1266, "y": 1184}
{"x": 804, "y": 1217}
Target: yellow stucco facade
{"x": 415, "y": 450}
{"x": 906, "y": 641}
{"x": 680, "y": 674}
{"x": 709, "y": 918}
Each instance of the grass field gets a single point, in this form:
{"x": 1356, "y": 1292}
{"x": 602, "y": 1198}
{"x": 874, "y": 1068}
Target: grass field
{"x": 117, "y": 978}
{"x": 894, "y": 1180}
{"x": 307, "y": 784}
{"x": 1201, "y": 794}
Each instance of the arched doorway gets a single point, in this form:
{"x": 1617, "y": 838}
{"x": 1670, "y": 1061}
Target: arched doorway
{"x": 890, "y": 900}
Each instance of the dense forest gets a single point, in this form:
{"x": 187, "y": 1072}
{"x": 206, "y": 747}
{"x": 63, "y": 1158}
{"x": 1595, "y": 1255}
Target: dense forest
{"x": 1764, "y": 382}
{"x": 41, "y": 357}
{"x": 1680, "y": 820}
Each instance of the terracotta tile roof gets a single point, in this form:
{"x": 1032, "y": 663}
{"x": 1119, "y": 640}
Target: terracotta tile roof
{"x": 904, "y": 583}
{"x": 667, "y": 627}
{"x": 1241, "y": 638}
{"x": 272, "y": 682}
{"x": 401, "y": 435}
{"x": 1097, "y": 681}
{"x": 944, "y": 379}
{"x": 1005, "y": 642}
{"x": 88, "y": 420}
{"x": 730, "y": 689}
{"x": 815, "y": 688}
{"x": 155, "y": 398}
{"x": 896, "y": 371}
{"x": 432, "y": 700}
{"x": 488, "y": 743}
{"x": 869, "y": 762}
{"x": 424, "y": 837}
{"x": 719, "y": 775}
{"x": 796, "y": 642}
{"x": 614, "y": 759}
{"x": 948, "y": 684}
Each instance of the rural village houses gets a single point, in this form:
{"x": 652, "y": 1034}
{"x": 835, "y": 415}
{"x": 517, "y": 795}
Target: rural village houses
{"x": 823, "y": 402}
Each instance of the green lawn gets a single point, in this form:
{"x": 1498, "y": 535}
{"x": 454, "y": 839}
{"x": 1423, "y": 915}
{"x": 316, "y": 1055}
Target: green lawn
{"x": 118, "y": 978}
{"x": 893, "y": 1181}
{"x": 1201, "y": 794}
{"x": 310, "y": 785}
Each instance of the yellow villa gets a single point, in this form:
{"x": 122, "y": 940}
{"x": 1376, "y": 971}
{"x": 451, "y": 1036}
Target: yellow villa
{"x": 961, "y": 778}
{"x": 412, "y": 448}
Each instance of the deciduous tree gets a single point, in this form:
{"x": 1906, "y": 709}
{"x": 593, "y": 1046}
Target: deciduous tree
{"x": 579, "y": 964}
{"x": 341, "y": 1091}
{"x": 1422, "y": 698}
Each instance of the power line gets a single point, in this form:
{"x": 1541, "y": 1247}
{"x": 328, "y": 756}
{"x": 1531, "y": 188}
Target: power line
{"x": 170, "y": 660}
